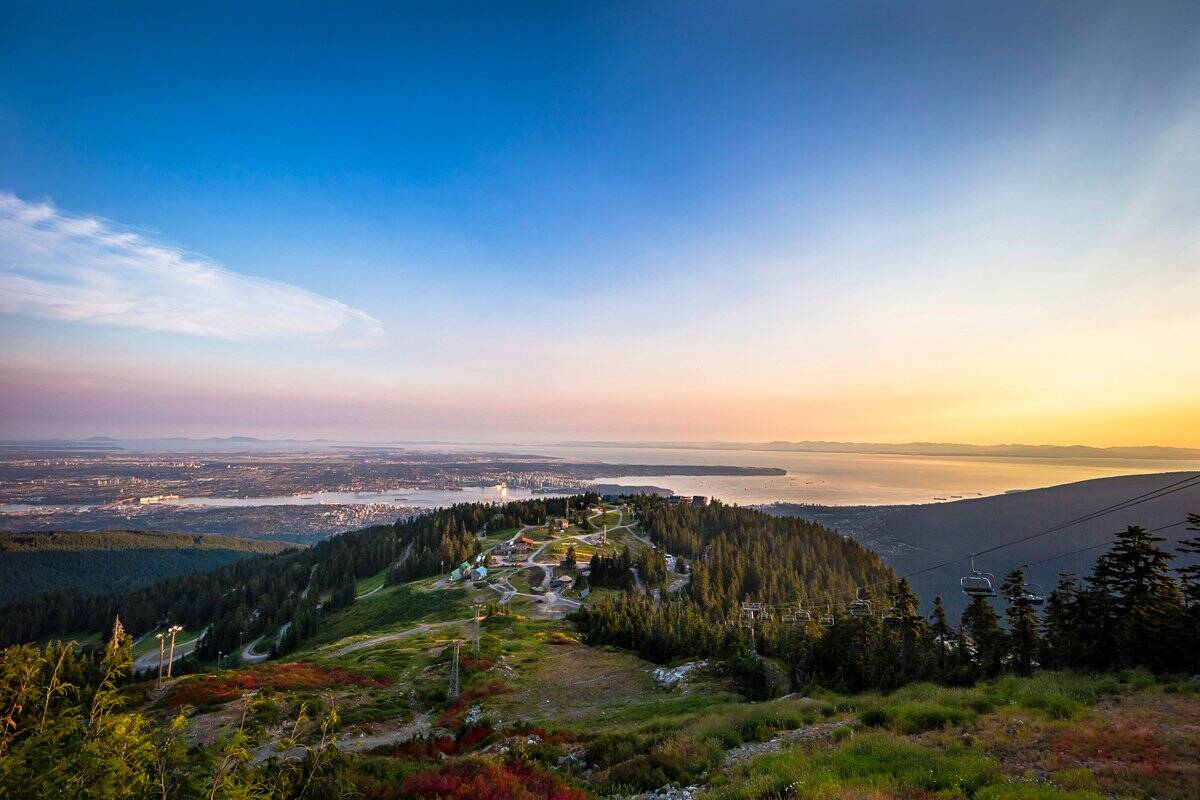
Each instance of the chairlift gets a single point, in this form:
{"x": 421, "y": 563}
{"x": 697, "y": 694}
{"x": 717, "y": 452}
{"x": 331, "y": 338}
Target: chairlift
{"x": 860, "y": 608}
{"x": 827, "y": 617}
{"x": 893, "y": 616}
{"x": 803, "y": 614}
{"x": 978, "y": 584}
{"x": 1030, "y": 595}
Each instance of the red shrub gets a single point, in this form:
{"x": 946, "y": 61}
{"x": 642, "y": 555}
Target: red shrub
{"x": 1132, "y": 745}
{"x": 210, "y": 689}
{"x": 446, "y": 745}
{"x": 485, "y": 780}
{"x": 452, "y": 717}
{"x": 558, "y": 737}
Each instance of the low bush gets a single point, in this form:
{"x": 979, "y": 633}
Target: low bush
{"x": 743, "y": 723}
{"x": 373, "y": 709}
{"x": 915, "y": 717}
{"x": 680, "y": 761}
{"x": 918, "y": 717}
{"x": 1062, "y": 695}
{"x": 1078, "y": 778}
{"x": 476, "y": 778}
{"x": 871, "y": 764}
{"x": 874, "y": 718}
{"x": 612, "y": 748}
{"x": 265, "y": 710}
{"x": 212, "y": 689}
{"x": 443, "y": 745}
{"x": 759, "y": 678}
{"x": 1034, "y": 791}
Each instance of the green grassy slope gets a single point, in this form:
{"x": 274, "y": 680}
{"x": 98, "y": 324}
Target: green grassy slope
{"x": 594, "y": 720}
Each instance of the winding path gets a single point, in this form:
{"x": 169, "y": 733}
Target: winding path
{"x": 149, "y": 661}
{"x": 391, "y": 637}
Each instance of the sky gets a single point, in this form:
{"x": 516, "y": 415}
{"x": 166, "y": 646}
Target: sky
{"x": 674, "y": 221}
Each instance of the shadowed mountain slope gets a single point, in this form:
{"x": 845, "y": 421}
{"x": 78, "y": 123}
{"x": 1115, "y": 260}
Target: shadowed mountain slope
{"x": 102, "y": 561}
{"x": 913, "y": 537}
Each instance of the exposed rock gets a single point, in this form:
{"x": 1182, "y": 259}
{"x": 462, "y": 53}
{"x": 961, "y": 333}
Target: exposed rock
{"x": 808, "y": 733}
{"x": 671, "y": 677}
{"x": 670, "y": 792}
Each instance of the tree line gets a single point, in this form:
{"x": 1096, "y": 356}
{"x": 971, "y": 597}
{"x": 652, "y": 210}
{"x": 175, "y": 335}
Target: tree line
{"x": 236, "y": 603}
{"x": 617, "y": 570}
{"x": 1133, "y": 610}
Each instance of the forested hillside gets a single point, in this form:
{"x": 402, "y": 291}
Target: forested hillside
{"x": 740, "y": 553}
{"x": 238, "y": 602}
{"x": 1137, "y": 608}
{"x": 112, "y": 561}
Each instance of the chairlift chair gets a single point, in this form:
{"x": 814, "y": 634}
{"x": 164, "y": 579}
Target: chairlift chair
{"x": 859, "y": 607}
{"x": 803, "y": 614}
{"x": 827, "y": 617}
{"x": 978, "y": 584}
{"x": 893, "y": 616}
{"x": 1031, "y": 595}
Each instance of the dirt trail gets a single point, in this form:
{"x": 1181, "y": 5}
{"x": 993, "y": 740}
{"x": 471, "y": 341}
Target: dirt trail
{"x": 391, "y": 637}
{"x": 357, "y": 744}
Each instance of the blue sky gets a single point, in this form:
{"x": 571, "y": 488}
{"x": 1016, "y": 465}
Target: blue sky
{"x": 778, "y": 220}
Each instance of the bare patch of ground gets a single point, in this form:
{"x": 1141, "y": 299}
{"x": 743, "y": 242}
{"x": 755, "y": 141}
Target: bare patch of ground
{"x": 573, "y": 681}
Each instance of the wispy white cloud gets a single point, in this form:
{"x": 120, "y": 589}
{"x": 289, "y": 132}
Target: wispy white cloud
{"x": 57, "y": 266}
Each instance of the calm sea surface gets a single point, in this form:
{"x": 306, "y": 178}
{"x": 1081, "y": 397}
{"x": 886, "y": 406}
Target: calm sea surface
{"x": 845, "y": 478}
{"x": 820, "y": 478}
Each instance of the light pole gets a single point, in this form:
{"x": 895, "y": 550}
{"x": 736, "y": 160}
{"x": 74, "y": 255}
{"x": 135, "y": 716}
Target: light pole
{"x": 161, "y": 642}
{"x": 174, "y": 629}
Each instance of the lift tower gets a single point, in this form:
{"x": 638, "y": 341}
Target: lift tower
{"x": 452, "y": 692}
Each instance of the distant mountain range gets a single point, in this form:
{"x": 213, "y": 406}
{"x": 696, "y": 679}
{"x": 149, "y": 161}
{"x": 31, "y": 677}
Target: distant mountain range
{"x": 944, "y": 449}
{"x": 914, "y": 537}
{"x": 1152, "y": 452}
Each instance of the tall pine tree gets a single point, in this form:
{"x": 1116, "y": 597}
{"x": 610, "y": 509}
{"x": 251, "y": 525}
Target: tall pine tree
{"x": 1022, "y": 622}
{"x": 1136, "y": 576}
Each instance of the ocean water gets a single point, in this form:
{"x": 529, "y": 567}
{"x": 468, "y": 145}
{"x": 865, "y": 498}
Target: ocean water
{"x": 844, "y": 478}
{"x": 815, "y": 478}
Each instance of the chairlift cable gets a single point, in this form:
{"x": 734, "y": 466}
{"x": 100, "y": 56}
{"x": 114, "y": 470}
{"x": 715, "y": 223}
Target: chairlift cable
{"x": 1100, "y": 544}
{"x": 1133, "y": 501}
{"x": 1154, "y": 494}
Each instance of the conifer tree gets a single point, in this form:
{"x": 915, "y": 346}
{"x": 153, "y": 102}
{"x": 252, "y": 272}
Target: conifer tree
{"x": 1135, "y": 575}
{"x": 941, "y": 632}
{"x": 1060, "y": 625}
{"x": 1024, "y": 642}
{"x": 911, "y": 632}
{"x": 1189, "y": 580}
{"x": 983, "y": 626}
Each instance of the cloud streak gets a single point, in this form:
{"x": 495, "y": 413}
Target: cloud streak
{"x": 84, "y": 269}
